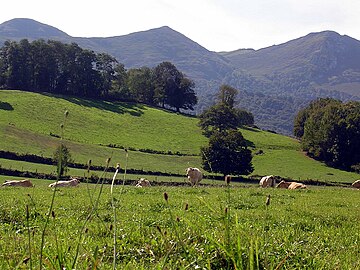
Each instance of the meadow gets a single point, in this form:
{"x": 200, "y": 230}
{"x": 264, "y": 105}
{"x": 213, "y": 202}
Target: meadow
{"x": 167, "y": 227}
{"x": 29, "y": 121}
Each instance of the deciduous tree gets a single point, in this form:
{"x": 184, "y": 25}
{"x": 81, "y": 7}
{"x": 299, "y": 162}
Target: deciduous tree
{"x": 227, "y": 153}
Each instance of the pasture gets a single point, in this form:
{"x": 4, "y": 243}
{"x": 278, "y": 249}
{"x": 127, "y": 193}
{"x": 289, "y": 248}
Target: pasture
{"x": 227, "y": 227}
{"x": 29, "y": 122}
{"x": 213, "y": 226}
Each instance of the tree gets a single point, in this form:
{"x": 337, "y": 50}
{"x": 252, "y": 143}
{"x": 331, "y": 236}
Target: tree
{"x": 62, "y": 157}
{"x": 224, "y": 115}
{"x": 304, "y": 114}
{"x": 227, "y": 153}
{"x": 329, "y": 131}
{"x": 172, "y": 88}
{"x": 140, "y": 82}
{"x": 219, "y": 117}
{"x": 119, "y": 88}
{"x": 105, "y": 65}
{"x": 227, "y": 95}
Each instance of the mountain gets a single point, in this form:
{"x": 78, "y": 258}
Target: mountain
{"x": 279, "y": 80}
{"x": 146, "y": 48}
{"x": 322, "y": 58}
{"x": 274, "y": 82}
{"x": 149, "y": 48}
{"x": 17, "y": 29}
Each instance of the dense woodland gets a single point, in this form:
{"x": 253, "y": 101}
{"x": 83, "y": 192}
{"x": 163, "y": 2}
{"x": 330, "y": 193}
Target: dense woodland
{"x": 330, "y": 130}
{"x": 55, "y": 67}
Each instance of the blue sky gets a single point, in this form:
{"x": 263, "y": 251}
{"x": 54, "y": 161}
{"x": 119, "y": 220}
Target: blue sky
{"x": 218, "y": 25}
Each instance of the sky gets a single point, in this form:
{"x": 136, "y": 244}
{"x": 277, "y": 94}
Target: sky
{"x": 217, "y": 25}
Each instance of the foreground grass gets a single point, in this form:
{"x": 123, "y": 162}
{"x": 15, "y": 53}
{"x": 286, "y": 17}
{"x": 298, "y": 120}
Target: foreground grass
{"x": 317, "y": 228}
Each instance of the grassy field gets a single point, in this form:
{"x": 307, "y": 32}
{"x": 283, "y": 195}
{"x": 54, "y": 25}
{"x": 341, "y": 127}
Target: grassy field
{"x": 28, "y": 119}
{"x": 213, "y": 226}
{"x": 195, "y": 228}
{"x": 100, "y": 122}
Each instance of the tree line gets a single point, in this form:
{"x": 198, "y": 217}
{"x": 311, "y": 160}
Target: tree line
{"x": 54, "y": 67}
{"x": 330, "y": 131}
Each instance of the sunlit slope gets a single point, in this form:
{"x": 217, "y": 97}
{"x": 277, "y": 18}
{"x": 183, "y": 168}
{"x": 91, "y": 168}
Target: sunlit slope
{"x": 100, "y": 122}
{"x": 281, "y": 155}
{"x": 28, "y": 119}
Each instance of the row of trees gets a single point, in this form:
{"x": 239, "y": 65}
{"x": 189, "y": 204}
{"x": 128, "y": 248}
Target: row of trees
{"x": 55, "y": 67}
{"x": 227, "y": 152}
{"x": 330, "y": 130}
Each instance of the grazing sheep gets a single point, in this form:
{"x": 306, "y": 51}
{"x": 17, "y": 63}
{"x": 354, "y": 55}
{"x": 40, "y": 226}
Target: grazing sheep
{"x": 194, "y": 175}
{"x": 291, "y": 185}
{"x": 71, "y": 183}
{"x": 356, "y": 184}
{"x": 143, "y": 183}
{"x": 267, "y": 181}
{"x": 17, "y": 183}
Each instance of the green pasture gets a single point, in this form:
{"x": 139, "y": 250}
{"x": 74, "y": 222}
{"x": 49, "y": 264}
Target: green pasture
{"x": 100, "y": 122}
{"x": 195, "y": 228}
{"x": 28, "y": 119}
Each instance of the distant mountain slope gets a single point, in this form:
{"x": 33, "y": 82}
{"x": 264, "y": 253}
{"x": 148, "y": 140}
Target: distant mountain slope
{"x": 322, "y": 58}
{"x": 274, "y": 82}
{"x": 149, "y": 48}
{"x": 17, "y": 29}
{"x": 279, "y": 80}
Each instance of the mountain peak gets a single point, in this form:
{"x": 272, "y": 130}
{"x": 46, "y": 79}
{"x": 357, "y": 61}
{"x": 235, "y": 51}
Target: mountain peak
{"x": 29, "y": 28}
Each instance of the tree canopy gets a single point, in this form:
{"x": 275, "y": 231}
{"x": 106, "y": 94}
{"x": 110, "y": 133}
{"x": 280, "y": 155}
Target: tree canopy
{"x": 223, "y": 115}
{"x": 329, "y": 131}
{"x": 173, "y": 88}
{"x": 227, "y": 153}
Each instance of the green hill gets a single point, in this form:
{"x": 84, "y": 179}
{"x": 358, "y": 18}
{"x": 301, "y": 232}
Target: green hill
{"x": 30, "y": 123}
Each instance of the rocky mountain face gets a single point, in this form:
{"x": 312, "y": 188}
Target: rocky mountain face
{"x": 274, "y": 82}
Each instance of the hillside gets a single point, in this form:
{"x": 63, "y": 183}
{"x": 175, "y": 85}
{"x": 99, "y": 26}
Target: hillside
{"x": 30, "y": 124}
{"x": 275, "y": 82}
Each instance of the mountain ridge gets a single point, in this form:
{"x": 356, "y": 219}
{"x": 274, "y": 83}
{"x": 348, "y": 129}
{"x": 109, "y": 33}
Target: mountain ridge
{"x": 274, "y": 82}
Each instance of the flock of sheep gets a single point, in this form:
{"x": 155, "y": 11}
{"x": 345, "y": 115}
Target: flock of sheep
{"x": 194, "y": 176}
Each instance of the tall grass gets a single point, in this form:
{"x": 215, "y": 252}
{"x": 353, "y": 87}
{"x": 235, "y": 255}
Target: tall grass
{"x": 59, "y": 169}
{"x": 311, "y": 229}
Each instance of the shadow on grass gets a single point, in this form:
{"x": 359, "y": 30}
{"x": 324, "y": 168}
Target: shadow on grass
{"x": 6, "y": 106}
{"x": 251, "y": 128}
{"x": 249, "y": 143}
{"x": 121, "y": 108}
